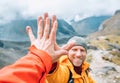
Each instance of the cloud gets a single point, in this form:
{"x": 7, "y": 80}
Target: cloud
{"x": 12, "y": 9}
{"x": 9, "y": 10}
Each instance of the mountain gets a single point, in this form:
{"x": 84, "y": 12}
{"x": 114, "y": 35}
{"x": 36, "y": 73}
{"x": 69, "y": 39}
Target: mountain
{"x": 88, "y": 25}
{"x": 108, "y": 35}
{"x": 65, "y": 31}
{"x": 110, "y": 26}
{"x": 15, "y": 32}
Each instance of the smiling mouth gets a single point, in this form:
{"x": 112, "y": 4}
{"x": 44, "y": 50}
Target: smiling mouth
{"x": 78, "y": 59}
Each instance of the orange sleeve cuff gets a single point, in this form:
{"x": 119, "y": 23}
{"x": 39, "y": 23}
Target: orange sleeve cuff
{"x": 46, "y": 59}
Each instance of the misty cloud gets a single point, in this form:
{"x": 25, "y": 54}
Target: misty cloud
{"x": 12, "y": 9}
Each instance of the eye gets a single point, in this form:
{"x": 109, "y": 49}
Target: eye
{"x": 74, "y": 50}
{"x": 82, "y": 50}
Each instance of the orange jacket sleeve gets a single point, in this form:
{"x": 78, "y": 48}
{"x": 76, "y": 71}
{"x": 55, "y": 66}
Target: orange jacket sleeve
{"x": 31, "y": 68}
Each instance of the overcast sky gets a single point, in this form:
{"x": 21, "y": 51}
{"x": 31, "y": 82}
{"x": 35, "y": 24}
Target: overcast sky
{"x": 12, "y": 9}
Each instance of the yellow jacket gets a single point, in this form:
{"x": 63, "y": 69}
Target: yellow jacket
{"x": 62, "y": 73}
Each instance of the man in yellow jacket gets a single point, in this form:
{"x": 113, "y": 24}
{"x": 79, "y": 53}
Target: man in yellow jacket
{"x": 72, "y": 68}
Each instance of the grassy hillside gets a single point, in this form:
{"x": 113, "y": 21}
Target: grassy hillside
{"x": 102, "y": 42}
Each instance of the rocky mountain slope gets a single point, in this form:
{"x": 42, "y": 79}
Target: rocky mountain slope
{"x": 108, "y": 36}
{"x": 110, "y": 26}
{"x": 106, "y": 53}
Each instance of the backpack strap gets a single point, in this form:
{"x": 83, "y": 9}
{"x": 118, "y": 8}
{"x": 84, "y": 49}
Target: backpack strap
{"x": 71, "y": 80}
{"x": 87, "y": 71}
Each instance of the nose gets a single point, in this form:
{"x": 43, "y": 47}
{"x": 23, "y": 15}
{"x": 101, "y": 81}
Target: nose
{"x": 78, "y": 53}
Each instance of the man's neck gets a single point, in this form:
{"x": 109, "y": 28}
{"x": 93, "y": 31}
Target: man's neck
{"x": 78, "y": 69}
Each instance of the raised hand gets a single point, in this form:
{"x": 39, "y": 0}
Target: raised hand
{"x": 46, "y": 37}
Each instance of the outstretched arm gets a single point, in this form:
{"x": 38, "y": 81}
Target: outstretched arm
{"x": 33, "y": 67}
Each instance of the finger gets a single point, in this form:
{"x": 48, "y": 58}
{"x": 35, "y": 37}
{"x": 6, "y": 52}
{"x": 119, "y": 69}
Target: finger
{"x": 68, "y": 46}
{"x": 47, "y": 28}
{"x": 40, "y": 28}
{"x": 45, "y": 16}
{"x": 53, "y": 19}
{"x": 30, "y": 34}
{"x": 53, "y": 32}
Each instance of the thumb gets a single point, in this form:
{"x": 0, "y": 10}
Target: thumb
{"x": 58, "y": 54}
{"x": 68, "y": 46}
{"x": 61, "y": 52}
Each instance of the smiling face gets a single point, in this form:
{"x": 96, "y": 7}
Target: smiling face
{"x": 77, "y": 55}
